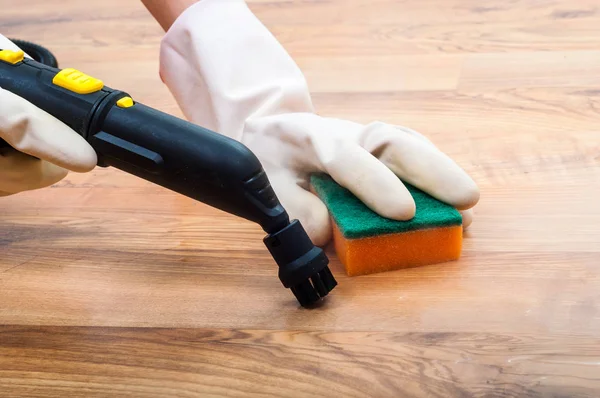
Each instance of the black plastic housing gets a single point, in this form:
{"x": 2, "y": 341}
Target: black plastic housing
{"x": 155, "y": 146}
{"x": 188, "y": 159}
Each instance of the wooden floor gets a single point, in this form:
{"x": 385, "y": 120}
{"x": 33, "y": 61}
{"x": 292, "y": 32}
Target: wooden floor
{"x": 110, "y": 286}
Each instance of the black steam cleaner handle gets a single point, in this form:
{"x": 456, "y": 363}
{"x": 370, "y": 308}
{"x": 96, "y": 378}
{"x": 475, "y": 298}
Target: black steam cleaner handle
{"x": 174, "y": 154}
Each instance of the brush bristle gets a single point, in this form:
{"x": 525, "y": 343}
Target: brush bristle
{"x": 315, "y": 288}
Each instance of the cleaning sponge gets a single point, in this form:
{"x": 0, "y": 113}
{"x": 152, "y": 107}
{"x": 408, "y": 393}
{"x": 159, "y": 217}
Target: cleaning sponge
{"x": 367, "y": 243}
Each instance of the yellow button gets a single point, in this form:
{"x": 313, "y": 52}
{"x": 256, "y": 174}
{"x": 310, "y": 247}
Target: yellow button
{"x": 77, "y": 81}
{"x": 125, "y": 102}
{"x": 12, "y": 57}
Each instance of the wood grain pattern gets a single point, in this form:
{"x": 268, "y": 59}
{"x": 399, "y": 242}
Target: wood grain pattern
{"x": 110, "y": 286}
{"x": 241, "y": 363}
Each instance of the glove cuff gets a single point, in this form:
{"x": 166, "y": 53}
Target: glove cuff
{"x": 224, "y": 67}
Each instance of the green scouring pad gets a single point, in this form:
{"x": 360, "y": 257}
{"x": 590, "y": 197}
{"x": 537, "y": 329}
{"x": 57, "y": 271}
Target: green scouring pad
{"x": 367, "y": 243}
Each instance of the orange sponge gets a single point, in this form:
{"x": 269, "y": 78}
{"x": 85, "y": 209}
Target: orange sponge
{"x": 367, "y": 243}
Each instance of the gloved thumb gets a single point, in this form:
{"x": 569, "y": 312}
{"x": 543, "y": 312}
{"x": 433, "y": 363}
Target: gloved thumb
{"x": 302, "y": 205}
{"x": 32, "y": 131}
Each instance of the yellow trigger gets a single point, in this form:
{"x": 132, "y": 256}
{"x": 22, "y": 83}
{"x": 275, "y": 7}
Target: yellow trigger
{"x": 76, "y": 81}
{"x": 12, "y": 57}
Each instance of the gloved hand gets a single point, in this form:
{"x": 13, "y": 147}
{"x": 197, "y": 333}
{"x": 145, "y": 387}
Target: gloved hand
{"x": 229, "y": 74}
{"x": 46, "y": 148}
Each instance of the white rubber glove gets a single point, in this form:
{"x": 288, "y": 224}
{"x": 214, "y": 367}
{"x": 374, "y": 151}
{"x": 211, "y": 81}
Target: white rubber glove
{"x": 229, "y": 74}
{"x": 46, "y": 148}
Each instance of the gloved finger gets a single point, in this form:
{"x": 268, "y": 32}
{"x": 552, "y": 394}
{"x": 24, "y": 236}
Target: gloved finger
{"x": 368, "y": 179}
{"x": 35, "y": 132}
{"x": 21, "y": 172}
{"x": 467, "y": 216}
{"x": 406, "y": 130}
{"x": 422, "y": 165}
{"x": 303, "y": 206}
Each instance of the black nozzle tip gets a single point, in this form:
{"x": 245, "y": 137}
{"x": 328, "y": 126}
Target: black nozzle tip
{"x": 302, "y": 266}
{"x": 313, "y": 289}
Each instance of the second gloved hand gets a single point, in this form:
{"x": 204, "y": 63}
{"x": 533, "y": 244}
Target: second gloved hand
{"x": 229, "y": 74}
{"x": 43, "y": 149}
